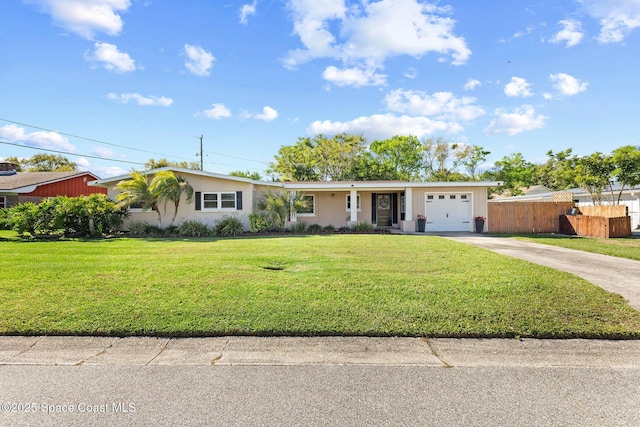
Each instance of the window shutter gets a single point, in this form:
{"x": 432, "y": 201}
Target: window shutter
{"x": 394, "y": 208}
{"x": 198, "y": 201}
{"x": 239, "y": 200}
{"x": 373, "y": 207}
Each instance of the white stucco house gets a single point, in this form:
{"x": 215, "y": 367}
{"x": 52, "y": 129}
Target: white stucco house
{"x": 448, "y": 206}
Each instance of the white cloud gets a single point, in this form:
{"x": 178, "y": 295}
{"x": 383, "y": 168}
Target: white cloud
{"x": 199, "y": 61}
{"x": 471, "y": 84}
{"x": 247, "y": 10}
{"x": 567, "y": 85}
{"x": 143, "y": 101}
{"x": 440, "y": 105}
{"x": 86, "y": 17}
{"x": 353, "y": 77}
{"x": 111, "y": 58}
{"x": 381, "y": 126}
{"x": 617, "y": 17}
{"x": 411, "y": 73}
{"x": 526, "y": 32}
{"x": 108, "y": 171}
{"x": 571, "y": 33}
{"x": 103, "y": 151}
{"x": 368, "y": 33}
{"x": 217, "y": 111}
{"x": 268, "y": 114}
{"x": 519, "y": 120}
{"x": 518, "y": 87}
{"x": 41, "y": 139}
{"x": 83, "y": 163}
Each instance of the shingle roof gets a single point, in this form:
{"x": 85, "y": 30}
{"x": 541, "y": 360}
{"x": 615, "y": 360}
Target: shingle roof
{"x": 26, "y": 179}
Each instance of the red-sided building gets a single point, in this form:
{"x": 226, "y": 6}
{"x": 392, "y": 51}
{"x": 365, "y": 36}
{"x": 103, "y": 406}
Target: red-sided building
{"x": 19, "y": 187}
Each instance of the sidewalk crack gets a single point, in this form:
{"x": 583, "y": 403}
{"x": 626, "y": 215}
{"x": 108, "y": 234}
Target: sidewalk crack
{"x": 435, "y": 353}
{"x": 164, "y": 347}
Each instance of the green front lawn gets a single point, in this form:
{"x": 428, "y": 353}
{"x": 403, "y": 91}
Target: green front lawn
{"x": 620, "y": 247}
{"x": 386, "y": 285}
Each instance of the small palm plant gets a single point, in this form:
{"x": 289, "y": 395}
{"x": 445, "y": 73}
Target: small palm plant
{"x": 278, "y": 206}
{"x": 164, "y": 186}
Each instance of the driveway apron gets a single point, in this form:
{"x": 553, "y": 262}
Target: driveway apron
{"x": 618, "y": 275}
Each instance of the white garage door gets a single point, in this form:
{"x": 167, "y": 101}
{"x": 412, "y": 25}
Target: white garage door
{"x": 448, "y": 212}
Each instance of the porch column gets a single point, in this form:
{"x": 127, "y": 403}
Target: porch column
{"x": 292, "y": 213}
{"x": 408, "y": 225}
{"x": 354, "y": 206}
{"x": 408, "y": 204}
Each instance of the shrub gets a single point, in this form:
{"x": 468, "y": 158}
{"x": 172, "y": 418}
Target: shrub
{"x": 90, "y": 215}
{"x": 315, "y": 228}
{"x": 257, "y": 223}
{"x": 193, "y": 228}
{"x": 329, "y": 229}
{"x": 298, "y": 227}
{"x": 364, "y": 226}
{"x": 229, "y": 227}
{"x": 4, "y": 219}
{"x": 138, "y": 228}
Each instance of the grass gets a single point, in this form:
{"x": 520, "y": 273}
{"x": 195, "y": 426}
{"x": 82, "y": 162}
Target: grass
{"x": 376, "y": 285}
{"x": 620, "y": 247}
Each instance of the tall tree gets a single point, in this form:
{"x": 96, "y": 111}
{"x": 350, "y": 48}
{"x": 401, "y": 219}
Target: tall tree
{"x": 256, "y": 176}
{"x": 559, "y": 171}
{"x": 594, "y": 174}
{"x": 626, "y": 172}
{"x": 42, "y": 162}
{"x": 399, "y": 157}
{"x": 473, "y": 157}
{"x": 161, "y": 163}
{"x": 514, "y": 172}
{"x": 319, "y": 159}
{"x": 442, "y": 158}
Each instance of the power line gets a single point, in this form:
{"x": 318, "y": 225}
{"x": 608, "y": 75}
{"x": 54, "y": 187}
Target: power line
{"x": 91, "y": 139}
{"x": 71, "y": 154}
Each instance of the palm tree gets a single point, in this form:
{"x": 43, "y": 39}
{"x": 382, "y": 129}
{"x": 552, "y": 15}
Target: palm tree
{"x": 169, "y": 188}
{"x": 137, "y": 191}
{"x": 164, "y": 186}
{"x": 278, "y": 206}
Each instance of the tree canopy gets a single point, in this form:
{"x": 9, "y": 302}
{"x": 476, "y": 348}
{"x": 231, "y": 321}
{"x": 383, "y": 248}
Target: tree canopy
{"x": 42, "y": 162}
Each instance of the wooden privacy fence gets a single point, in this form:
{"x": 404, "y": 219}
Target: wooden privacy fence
{"x": 595, "y": 226}
{"x": 526, "y": 217}
{"x": 616, "y": 211}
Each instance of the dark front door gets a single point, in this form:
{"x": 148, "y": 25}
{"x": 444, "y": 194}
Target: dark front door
{"x": 383, "y": 210}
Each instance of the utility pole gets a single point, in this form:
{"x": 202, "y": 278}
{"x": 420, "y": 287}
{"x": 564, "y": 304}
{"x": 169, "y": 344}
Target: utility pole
{"x": 201, "y": 158}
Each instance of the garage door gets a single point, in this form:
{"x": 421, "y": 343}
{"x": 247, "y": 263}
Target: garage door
{"x": 448, "y": 212}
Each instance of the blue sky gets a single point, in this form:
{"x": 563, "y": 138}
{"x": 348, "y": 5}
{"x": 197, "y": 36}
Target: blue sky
{"x": 116, "y": 82}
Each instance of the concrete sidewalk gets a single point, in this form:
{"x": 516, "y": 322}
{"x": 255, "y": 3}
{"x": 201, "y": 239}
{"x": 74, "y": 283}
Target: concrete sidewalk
{"x": 148, "y": 351}
{"x": 617, "y": 275}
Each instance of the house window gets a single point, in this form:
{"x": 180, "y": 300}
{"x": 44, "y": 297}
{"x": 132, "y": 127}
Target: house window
{"x": 135, "y": 207}
{"x": 225, "y": 201}
{"x": 310, "y": 208}
{"x": 3, "y": 202}
{"x": 357, "y": 202}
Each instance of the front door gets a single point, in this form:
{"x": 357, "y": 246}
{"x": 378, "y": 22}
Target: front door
{"x": 383, "y": 210}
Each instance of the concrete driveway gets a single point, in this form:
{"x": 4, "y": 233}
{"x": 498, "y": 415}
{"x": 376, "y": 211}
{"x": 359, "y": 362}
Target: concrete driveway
{"x": 618, "y": 275}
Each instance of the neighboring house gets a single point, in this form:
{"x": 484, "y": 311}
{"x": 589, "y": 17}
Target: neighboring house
{"x": 630, "y": 197}
{"x": 20, "y": 187}
{"x": 448, "y": 206}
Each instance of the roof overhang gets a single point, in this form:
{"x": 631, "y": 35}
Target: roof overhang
{"x": 112, "y": 181}
{"x": 382, "y": 185}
